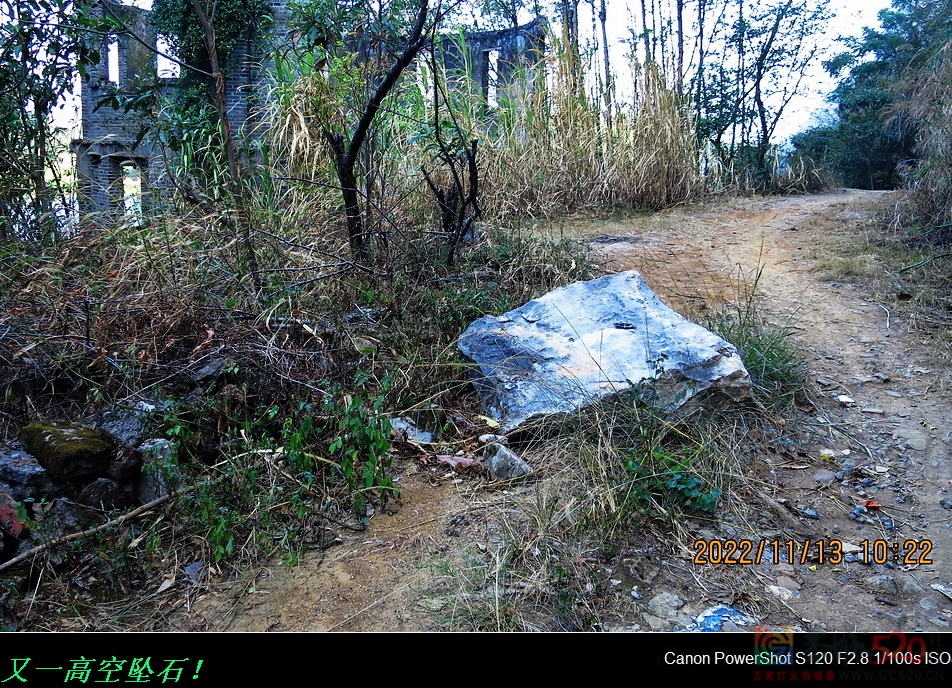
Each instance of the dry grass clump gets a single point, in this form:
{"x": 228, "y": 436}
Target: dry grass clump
{"x": 930, "y": 105}
{"x": 545, "y": 149}
{"x": 614, "y": 474}
{"x": 552, "y": 152}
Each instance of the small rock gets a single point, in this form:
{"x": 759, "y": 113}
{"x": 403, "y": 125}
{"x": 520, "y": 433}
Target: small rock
{"x": 498, "y": 439}
{"x": 68, "y": 450}
{"x": 159, "y": 475}
{"x": 128, "y": 425}
{"x": 914, "y": 439}
{"x": 824, "y": 477}
{"x": 210, "y": 372}
{"x": 873, "y": 410}
{"x": 848, "y": 465}
{"x": 665, "y": 605}
{"x": 63, "y": 517}
{"x": 883, "y": 583}
{"x": 25, "y": 476}
{"x": 845, "y": 400}
{"x": 807, "y": 511}
{"x": 407, "y": 431}
{"x": 788, "y": 583}
{"x": 783, "y": 593}
{"x": 835, "y": 529}
{"x": 503, "y": 463}
{"x": 105, "y": 494}
{"x": 125, "y": 466}
{"x": 194, "y": 571}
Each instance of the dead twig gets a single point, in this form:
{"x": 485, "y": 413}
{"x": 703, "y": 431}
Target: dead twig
{"x": 96, "y": 529}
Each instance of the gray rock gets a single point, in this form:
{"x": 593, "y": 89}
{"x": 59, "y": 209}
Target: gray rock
{"x": 503, "y": 463}
{"x": 408, "y": 432}
{"x": 68, "y": 450}
{"x": 160, "y": 475}
{"x": 210, "y": 371}
{"x": 105, "y": 494}
{"x": 913, "y": 438}
{"x": 883, "y": 583}
{"x": 806, "y": 511}
{"x": 665, "y": 605}
{"x": 128, "y": 425}
{"x": 788, "y": 583}
{"x": 591, "y": 340}
{"x": 25, "y": 476}
{"x": 125, "y": 466}
{"x": 848, "y": 465}
{"x": 63, "y": 517}
{"x": 824, "y": 477}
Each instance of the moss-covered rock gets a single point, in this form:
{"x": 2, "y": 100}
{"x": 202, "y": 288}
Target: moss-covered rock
{"x": 68, "y": 450}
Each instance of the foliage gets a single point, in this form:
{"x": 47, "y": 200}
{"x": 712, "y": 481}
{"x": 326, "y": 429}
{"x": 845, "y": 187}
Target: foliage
{"x": 365, "y": 59}
{"x": 232, "y": 20}
{"x": 663, "y": 481}
{"x": 362, "y": 443}
{"x": 43, "y": 45}
{"x": 873, "y": 130}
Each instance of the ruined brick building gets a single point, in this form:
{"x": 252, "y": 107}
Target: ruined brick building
{"x": 117, "y": 173}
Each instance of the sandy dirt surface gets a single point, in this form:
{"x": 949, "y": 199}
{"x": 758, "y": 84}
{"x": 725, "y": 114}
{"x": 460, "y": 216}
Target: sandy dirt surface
{"x": 879, "y": 401}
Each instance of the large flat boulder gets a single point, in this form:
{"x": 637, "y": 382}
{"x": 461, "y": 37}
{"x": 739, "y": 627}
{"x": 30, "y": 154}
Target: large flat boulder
{"x": 591, "y": 340}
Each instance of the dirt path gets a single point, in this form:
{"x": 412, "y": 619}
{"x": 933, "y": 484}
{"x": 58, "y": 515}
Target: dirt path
{"x": 890, "y": 444}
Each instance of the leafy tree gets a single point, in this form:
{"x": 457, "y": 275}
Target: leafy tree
{"x": 764, "y": 49}
{"x": 873, "y": 132}
{"x": 202, "y": 35}
{"x": 357, "y": 51}
{"x": 231, "y": 21}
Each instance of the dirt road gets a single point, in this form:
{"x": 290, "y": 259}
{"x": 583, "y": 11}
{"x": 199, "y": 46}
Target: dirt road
{"x": 868, "y": 472}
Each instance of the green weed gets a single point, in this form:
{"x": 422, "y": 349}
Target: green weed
{"x": 777, "y": 369}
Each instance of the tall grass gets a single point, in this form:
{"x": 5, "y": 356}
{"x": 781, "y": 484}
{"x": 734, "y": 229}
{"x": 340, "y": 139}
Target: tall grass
{"x": 552, "y": 152}
{"x": 930, "y": 107}
{"x": 545, "y": 149}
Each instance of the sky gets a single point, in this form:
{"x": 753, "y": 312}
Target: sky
{"x": 850, "y": 18}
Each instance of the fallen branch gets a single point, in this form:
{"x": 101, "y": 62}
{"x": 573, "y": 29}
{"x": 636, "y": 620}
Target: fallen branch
{"x": 925, "y": 262}
{"x": 91, "y": 531}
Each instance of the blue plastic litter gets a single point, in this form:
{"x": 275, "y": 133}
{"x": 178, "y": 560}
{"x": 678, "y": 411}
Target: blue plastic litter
{"x": 713, "y": 619}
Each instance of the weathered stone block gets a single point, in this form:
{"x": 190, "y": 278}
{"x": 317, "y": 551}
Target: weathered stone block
{"x": 591, "y": 340}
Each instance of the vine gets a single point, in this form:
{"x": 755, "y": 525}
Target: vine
{"x": 232, "y": 21}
